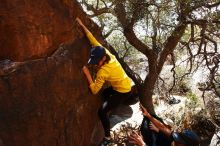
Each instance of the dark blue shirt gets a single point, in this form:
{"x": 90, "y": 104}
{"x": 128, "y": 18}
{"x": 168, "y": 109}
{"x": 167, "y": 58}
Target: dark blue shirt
{"x": 151, "y": 138}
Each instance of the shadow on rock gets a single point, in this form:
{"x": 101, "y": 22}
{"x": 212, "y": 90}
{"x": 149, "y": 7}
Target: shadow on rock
{"x": 120, "y": 114}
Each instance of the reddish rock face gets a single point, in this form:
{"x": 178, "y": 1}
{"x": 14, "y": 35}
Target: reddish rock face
{"x": 32, "y": 29}
{"x": 46, "y": 101}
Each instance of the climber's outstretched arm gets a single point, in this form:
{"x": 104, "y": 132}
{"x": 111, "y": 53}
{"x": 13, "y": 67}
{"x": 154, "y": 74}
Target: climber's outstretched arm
{"x": 82, "y": 25}
{"x": 89, "y": 35}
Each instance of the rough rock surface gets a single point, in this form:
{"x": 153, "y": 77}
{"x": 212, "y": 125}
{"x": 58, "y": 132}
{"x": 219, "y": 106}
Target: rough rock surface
{"x": 32, "y": 29}
{"x": 45, "y": 101}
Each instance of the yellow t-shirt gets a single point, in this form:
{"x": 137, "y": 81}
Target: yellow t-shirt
{"x": 111, "y": 72}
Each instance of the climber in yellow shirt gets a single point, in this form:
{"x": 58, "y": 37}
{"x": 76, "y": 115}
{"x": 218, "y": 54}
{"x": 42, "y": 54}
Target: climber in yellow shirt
{"x": 110, "y": 70}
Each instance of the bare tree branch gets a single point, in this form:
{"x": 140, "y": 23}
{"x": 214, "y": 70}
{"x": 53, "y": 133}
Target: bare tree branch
{"x": 109, "y": 33}
{"x": 214, "y": 42}
{"x": 126, "y": 49}
{"x": 128, "y": 31}
{"x": 174, "y": 72}
{"x": 170, "y": 44}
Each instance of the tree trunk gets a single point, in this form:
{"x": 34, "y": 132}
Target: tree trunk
{"x": 45, "y": 101}
{"x": 147, "y": 89}
{"x": 146, "y": 94}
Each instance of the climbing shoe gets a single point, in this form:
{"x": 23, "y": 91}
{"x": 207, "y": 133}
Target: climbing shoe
{"x": 105, "y": 142}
